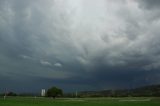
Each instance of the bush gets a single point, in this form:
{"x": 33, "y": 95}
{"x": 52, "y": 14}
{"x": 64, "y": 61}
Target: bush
{"x": 54, "y": 92}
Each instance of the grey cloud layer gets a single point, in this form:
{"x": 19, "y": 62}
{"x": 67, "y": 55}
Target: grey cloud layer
{"x": 86, "y": 39}
{"x": 150, "y": 4}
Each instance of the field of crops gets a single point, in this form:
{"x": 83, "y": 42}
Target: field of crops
{"x": 22, "y": 101}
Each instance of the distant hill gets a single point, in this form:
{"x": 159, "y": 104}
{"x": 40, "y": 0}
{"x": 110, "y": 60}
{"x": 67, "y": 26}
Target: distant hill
{"x": 152, "y": 90}
{"x": 146, "y": 91}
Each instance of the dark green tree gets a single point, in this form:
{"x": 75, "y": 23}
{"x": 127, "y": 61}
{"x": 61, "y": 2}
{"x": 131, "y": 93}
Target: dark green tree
{"x": 54, "y": 92}
{"x": 11, "y": 94}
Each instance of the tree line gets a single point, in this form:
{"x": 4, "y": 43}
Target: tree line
{"x": 51, "y": 92}
{"x": 146, "y": 91}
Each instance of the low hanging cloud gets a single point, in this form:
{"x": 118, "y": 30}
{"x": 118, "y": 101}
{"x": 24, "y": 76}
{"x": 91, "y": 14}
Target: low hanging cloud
{"x": 45, "y": 63}
{"x": 93, "y": 40}
{"x": 58, "y": 64}
{"x": 148, "y": 4}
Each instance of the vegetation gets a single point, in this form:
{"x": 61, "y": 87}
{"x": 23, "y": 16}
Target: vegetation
{"x": 54, "y": 92}
{"x": 11, "y": 94}
{"x": 147, "y": 91}
{"x": 24, "y": 101}
{"x": 115, "y": 98}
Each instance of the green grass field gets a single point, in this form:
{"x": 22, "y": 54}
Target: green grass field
{"x": 19, "y": 101}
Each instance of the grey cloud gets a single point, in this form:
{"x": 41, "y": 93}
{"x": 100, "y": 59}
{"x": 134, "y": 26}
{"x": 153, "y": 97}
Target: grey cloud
{"x": 46, "y": 63}
{"x": 150, "y": 4}
{"x": 58, "y": 64}
{"x": 90, "y": 40}
{"x": 151, "y": 8}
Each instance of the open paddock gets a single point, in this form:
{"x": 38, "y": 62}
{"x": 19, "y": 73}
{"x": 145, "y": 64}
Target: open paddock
{"x": 38, "y": 101}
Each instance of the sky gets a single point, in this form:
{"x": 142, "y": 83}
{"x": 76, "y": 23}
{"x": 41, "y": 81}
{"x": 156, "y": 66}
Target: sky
{"x": 79, "y": 44}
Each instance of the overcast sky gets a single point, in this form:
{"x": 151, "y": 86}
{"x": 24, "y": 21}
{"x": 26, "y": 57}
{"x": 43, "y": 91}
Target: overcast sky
{"x": 79, "y": 44}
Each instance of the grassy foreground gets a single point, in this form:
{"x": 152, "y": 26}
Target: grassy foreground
{"x": 19, "y": 101}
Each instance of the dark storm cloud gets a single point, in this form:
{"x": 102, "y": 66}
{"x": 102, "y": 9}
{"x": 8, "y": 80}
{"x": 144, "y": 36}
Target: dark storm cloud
{"x": 151, "y": 8}
{"x": 79, "y": 43}
{"x": 150, "y": 4}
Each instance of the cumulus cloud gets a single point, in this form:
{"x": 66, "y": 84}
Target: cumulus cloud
{"x": 95, "y": 40}
{"x": 25, "y": 57}
{"x": 58, "y": 64}
{"x": 46, "y": 63}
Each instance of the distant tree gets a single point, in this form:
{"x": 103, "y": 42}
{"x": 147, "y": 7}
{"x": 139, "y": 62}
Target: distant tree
{"x": 11, "y": 94}
{"x": 54, "y": 92}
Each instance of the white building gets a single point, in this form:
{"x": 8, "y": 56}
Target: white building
{"x": 43, "y": 92}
